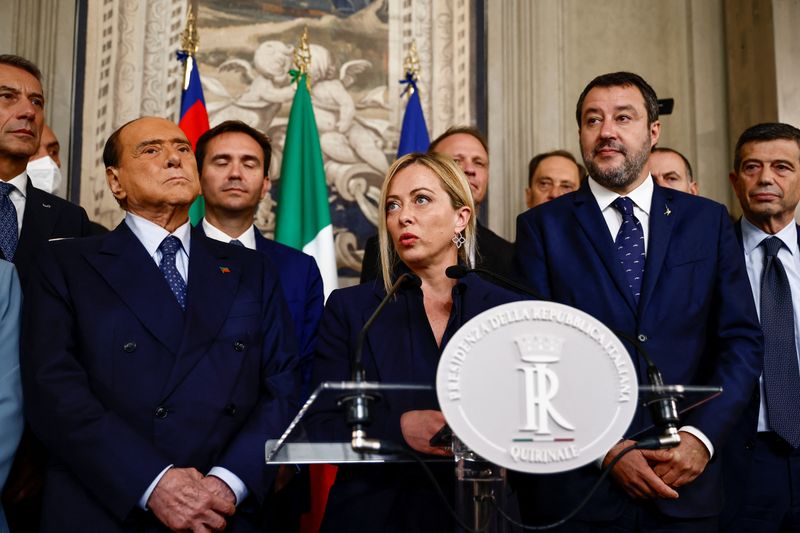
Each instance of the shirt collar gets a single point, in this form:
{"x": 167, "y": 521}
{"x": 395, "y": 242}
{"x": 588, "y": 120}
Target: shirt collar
{"x": 248, "y": 238}
{"x": 642, "y": 195}
{"x": 151, "y": 234}
{"x": 20, "y": 182}
{"x": 752, "y": 236}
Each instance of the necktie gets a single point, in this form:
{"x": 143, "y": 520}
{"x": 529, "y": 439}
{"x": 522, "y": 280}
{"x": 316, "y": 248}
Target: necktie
{"x": 169, "y": 247}
{"x": 8, "y": 222}
{"x": 781, "y": 372}
{"x": 237, "y": 242}
{"x": 629, "y": 245}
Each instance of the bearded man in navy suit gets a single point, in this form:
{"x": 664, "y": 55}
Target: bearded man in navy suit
{"x": 155, "y": 361}
{"x": 663, "y": 267}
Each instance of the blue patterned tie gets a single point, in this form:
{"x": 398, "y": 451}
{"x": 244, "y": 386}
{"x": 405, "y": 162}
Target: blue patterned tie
{"x": 781, "y": 372}
{"x": 8, "y": 222}
{"x": 169, "y": 247}
{"x": 237, "y": 242}
{"x": 629, "y": 245}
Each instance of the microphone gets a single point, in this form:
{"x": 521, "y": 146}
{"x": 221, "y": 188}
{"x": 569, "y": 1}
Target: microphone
{"x": 663, "y": 407}
{"x": 664, "y": 410}
{"x": 357, "y": 405}
{"x": 459, "y": 271}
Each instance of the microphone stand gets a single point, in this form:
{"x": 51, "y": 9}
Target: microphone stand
{"x": 357, "y": 405}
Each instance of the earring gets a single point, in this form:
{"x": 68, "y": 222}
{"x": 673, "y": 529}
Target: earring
{"x": 458, "y": 240}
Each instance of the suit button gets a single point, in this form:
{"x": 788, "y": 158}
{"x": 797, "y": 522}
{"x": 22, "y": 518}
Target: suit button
{"x": 642, "y": 337}
{"x": 161, "y": 412}
{"x": 749, "y": 445}
{"x": 238, "y": 346}
{"x": 129, "y": 347}
{"x": 230, "y": 409}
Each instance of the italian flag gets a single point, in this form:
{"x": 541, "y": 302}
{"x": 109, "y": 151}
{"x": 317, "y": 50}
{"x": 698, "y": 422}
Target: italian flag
{"x": 304, "y": 218}
{"x": 304, "y": 222}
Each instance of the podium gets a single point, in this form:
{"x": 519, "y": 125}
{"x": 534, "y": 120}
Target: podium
{"x": 480, "y": 484}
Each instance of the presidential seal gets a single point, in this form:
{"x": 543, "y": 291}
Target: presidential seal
{"x": 537, "y": 387}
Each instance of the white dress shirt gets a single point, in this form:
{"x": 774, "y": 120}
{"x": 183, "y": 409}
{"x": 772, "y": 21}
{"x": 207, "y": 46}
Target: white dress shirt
{"x": 642, "y": 198}
{"x": 18, "y": 196}
{"x": 754, "y": 260}
{"x": 151, "y": 235}
{"x": 248, "y": 238}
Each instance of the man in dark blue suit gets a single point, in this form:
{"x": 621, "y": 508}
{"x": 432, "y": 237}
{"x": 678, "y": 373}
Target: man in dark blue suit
{"x": 660, "y": 266}
{"x": 233, "y": 161}
{"x": 155, "y": 361}
{"x": 761, "y": 459}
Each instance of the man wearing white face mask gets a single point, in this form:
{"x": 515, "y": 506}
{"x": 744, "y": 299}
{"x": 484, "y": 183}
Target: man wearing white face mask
{"x": 44, "y": 167}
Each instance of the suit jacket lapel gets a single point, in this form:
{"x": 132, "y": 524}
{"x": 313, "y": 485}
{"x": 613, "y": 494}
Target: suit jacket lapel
{"x": 594, "y": 225}
{"x": 123, "y": 262}
{"x": 660, "y": 232}
{"x": 38, "y": 221}
{"x": 213, "y": 283}
{"x": 387, "y": 338}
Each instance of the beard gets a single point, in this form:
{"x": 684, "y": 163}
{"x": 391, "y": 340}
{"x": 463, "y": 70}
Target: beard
{"x": 623, "y": 175}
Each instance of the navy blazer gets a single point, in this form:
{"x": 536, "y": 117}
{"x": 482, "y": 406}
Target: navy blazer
{"x": 301, "y": 283}
{"x": 387, "y": 497}
{"x": 119, "y": 382}
{"x": 695, "y": 317}
{"x": 302, "y": 287}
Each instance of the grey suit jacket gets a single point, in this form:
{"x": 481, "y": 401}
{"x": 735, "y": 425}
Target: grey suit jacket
{"x": 10, "y": 388}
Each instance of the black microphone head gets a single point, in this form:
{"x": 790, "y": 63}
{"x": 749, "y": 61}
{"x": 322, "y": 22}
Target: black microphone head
{"x": 456, "y": 271}
{"x": 411, "y": 281}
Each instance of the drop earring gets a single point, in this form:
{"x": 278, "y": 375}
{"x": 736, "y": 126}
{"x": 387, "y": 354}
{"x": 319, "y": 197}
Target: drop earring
{"x": 459, "y": 240}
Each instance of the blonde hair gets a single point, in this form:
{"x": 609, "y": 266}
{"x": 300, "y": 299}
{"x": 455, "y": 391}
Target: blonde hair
{"x": 454, "y": 183}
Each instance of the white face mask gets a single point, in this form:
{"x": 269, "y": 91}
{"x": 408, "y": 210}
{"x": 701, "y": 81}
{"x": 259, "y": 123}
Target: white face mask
{"x": 44, "y": 174}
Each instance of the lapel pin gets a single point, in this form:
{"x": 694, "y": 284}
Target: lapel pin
{"x": 225, "y": 270}
{"x": 46, "y": 205}
{"x": 666, "y": 210}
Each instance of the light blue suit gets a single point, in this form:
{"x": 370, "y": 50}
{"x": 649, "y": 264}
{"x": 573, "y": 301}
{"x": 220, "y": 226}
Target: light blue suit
{"x": 10, "y": 388}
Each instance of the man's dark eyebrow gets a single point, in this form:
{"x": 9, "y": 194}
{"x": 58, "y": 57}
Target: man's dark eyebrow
{"x": 17, "y": 91}
{"x": 627, "y": 107}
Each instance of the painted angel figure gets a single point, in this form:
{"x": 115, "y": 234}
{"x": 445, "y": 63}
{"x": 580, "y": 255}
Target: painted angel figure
{"x": 345, "y": 137}
{"x": 269, "y": 87}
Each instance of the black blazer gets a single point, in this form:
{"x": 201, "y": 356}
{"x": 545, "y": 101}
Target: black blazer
{"x": 47, "y": 217}
{"x": 494, "y": 253}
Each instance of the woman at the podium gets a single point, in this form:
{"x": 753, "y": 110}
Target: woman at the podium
{"x": 427, "y": 225}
